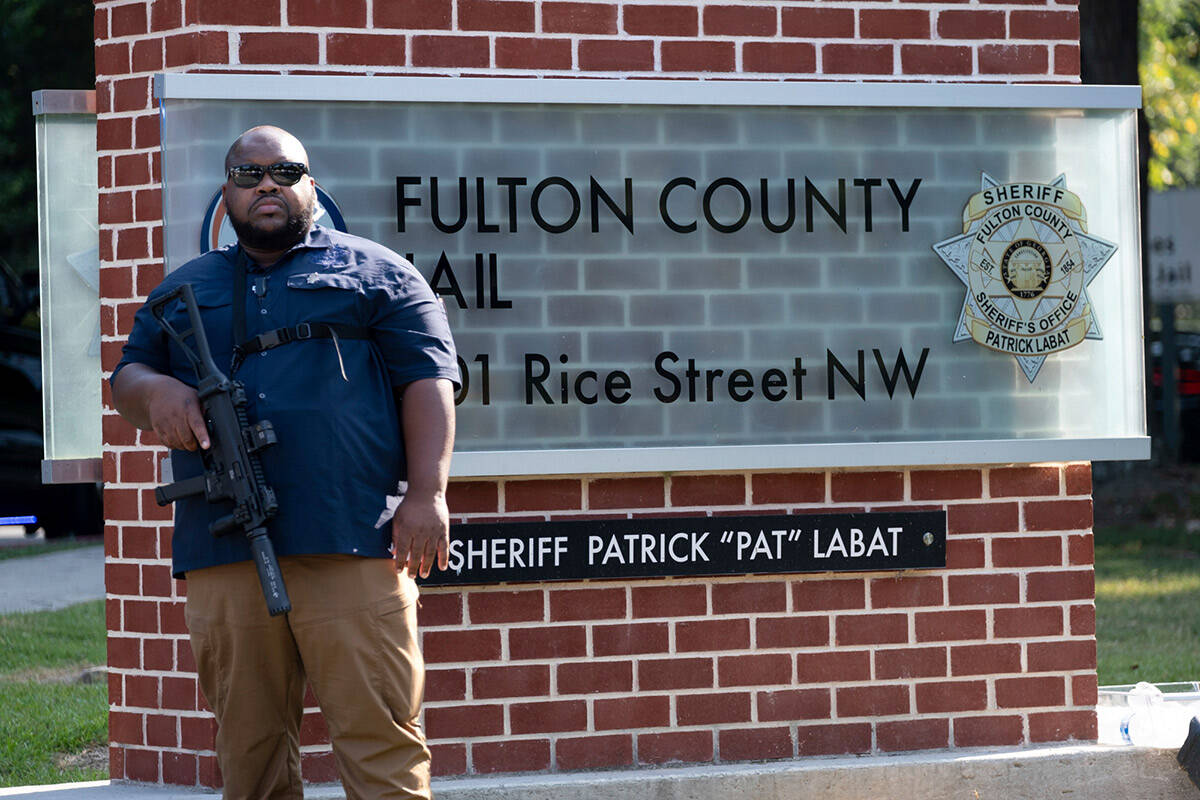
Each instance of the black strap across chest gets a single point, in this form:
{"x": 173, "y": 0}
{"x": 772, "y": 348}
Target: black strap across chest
{"x": 298, "y": 333}
{"x": 279, "y": 336}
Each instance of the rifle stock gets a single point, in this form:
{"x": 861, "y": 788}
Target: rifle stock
{"x": 232, "y": 470}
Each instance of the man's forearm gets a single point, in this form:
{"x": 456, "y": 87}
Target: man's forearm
{"x": 161, "y": 403}
{"x": 421, "y": 526}
{"x": 131, "y": 393}
{"x": 427, "y": 416}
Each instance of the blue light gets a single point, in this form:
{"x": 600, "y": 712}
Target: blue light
{"x": 29, "y": 520}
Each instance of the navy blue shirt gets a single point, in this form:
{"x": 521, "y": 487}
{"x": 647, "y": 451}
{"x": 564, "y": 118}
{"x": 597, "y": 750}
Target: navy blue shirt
{"x": 340, "y": 452}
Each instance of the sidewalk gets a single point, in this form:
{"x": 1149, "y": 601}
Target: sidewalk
{"x": 53, "y": 580}
{"x": 1083, "y": 771}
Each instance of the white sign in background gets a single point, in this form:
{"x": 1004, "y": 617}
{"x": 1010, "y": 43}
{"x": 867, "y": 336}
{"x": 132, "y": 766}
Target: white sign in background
{"x": 1174, "y": 258}
{"x": 709, "y": 285}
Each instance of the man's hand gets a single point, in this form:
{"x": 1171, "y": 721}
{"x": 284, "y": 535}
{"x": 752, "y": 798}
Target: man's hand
{"x": 421, "y": 533}
{"x": 175, "y": 416}
{"x": 421, "y": 527}
{"x": 160, "y": 403}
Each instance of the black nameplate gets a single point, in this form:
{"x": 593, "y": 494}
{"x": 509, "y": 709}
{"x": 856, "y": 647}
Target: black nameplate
{"x": 718, "y": 545}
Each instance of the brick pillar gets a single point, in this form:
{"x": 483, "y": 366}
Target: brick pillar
{"x": 999, "y": 648}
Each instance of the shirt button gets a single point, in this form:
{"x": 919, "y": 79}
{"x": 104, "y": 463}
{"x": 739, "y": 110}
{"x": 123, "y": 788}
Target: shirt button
{"x": 262, "y": 311}
{"x": 263, "y": 354}
{"x": 262, "y": 396}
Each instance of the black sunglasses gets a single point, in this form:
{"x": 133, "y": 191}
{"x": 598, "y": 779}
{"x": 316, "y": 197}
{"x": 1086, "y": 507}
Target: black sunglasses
{"x": 285, "y": 173}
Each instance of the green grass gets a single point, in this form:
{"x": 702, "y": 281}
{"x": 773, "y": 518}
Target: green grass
{"x": 42, "y": 724}
{"x": 72, "y": 636}
{"x": 47, "y": 720}
{"x": 1147, "y": 605}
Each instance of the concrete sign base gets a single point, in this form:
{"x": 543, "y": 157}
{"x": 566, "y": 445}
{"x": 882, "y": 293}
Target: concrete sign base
{"x": 1128, "y": 773}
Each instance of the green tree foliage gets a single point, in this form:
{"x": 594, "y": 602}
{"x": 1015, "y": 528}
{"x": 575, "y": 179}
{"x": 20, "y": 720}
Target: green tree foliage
{"x": 1170, "y": 75}
{"x": 44, "y": 44}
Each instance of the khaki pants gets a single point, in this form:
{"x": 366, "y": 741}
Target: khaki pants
{"x": 352, "y": 634}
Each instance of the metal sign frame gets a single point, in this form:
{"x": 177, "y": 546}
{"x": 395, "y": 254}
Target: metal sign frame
{"x": 242, "y": 87}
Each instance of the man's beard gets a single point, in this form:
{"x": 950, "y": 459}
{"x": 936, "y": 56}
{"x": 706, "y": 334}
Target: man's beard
{"x": 275, "y": 239}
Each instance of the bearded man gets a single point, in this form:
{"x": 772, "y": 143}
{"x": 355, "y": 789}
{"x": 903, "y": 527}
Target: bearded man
{"x": 343, "y": 346}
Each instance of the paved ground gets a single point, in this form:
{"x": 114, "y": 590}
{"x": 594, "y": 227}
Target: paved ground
{"x": 53, "y": 580}
{"x": 1061, "y": 771}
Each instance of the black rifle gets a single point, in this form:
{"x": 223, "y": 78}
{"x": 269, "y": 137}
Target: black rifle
{"x": 232, "y": 471}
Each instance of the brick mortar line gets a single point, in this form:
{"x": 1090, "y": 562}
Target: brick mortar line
{"x": 130, "y": 187}
{"x": 136, "y": 224}
{"x": 803, "y": 507}
{"x": 494, "y": 71}
{"x": 144, "y": 673}
{"x": 656, "y": 38}
{"x": 351, "y": 70}
{"x": 910, "y": 715}
{"x": 931, "y": 680}
{"x": 1049, "y": 638}
{"x": 172, "y": 749}
{"x": 622, "y": 4}
{"x": 134, "y": 636}
{"x": 180, "y": 713}
{"x": 148, "y": 711}
{"x": 125, "y": 115}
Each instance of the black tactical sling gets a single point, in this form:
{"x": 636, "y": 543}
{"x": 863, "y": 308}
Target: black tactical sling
{"x": 279, "y": 336}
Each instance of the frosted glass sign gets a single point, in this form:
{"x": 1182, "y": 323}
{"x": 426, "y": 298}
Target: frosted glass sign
{"x": 658, "y": 277}
{"x": 69, "y": 266}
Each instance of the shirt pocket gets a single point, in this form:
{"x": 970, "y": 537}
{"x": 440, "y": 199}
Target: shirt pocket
{"x": 337, "y": 300}
{"x": 324, "y": 297}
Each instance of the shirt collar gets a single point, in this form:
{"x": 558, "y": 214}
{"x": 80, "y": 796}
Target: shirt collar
{"x": 316, "y": 238}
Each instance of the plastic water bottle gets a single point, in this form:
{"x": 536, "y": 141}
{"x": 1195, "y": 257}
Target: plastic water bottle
{"x": 1152, "y": 721}
{"x": 1139, "y": 725}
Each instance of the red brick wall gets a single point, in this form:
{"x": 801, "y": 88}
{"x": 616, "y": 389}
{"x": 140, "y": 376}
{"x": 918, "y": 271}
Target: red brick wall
{"x": 997, "y": 649}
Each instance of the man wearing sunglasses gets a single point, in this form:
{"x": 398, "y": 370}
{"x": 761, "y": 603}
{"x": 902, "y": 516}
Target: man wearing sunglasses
{"x": 343, "y": 346}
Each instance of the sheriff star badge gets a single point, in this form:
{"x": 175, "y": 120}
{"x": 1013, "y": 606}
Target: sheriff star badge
{"x": 1026, "y": 259}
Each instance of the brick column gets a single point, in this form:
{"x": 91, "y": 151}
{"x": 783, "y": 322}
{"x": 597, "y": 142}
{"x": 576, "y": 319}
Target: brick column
{"x": 999, "y": 648}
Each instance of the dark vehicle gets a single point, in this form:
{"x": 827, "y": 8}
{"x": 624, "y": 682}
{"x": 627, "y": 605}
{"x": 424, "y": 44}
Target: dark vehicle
{"x": 1187, "y": 347}
{"x": 58, "y": 509}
